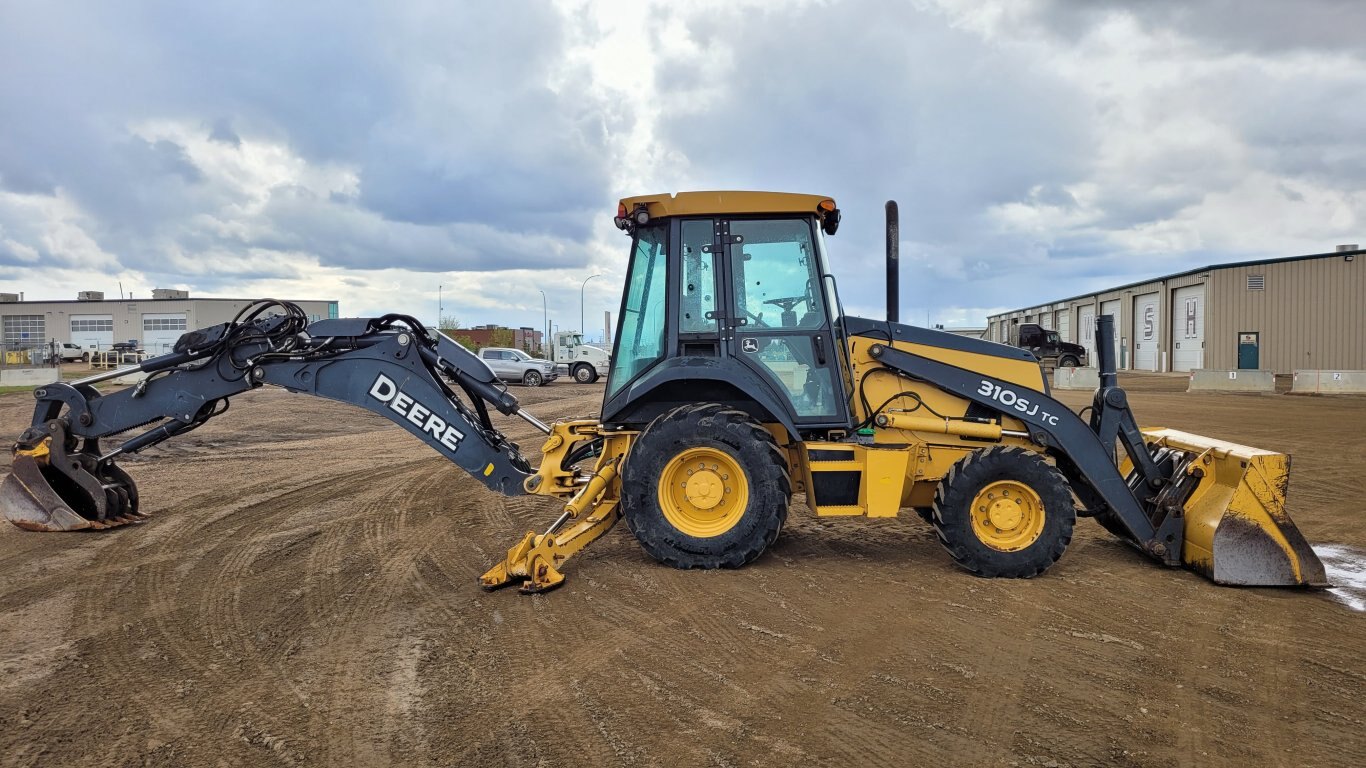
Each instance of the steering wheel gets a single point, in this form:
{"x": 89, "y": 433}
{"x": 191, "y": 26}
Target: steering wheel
{"x": 787, "y": 302}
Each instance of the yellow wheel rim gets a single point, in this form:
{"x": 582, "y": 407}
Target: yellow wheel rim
{"x": 1007, "y": 515}
{"x": 703, "y": 492}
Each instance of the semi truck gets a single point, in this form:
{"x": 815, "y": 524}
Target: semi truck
{"x": 582, "y": 362}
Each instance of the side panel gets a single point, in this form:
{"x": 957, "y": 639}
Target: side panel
{"x": 161, "y": 330}
{"x": 1146, "y": 332}
{"x": 1112, "y": 308}
{"x": 1188, "y": 328}
{"x": 92, "y": 332}
{"x": 1087, "y": 330}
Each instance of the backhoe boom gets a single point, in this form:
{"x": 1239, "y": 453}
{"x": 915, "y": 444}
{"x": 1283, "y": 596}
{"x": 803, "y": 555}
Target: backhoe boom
{"x": 64, "y": 479}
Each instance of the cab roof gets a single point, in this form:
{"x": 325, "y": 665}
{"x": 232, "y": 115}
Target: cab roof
{"x": 723, "y": 202}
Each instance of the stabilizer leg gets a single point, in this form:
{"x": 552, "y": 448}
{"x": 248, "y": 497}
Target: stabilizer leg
{"x": 535, "y": 560}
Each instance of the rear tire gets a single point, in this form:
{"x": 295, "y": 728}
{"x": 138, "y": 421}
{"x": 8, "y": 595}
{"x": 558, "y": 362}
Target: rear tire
{"x": 585, "y": 374}
{"x": 738, "y": 502}
{"x": 1004, "y": 512}
{"x": 532, "y": 379}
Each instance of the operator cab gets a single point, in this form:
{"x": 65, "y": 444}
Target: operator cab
{"x": 728, "y": 299}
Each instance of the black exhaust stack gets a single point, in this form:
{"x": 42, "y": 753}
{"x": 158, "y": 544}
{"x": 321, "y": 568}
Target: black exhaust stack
{"x": 893, "y": 263}
{"x": 1105, "y": 350}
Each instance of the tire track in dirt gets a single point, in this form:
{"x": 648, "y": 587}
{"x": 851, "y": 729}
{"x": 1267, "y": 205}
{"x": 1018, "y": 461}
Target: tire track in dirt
{"x": 350, "y": 630}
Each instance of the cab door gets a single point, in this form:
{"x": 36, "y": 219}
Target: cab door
{"x": 775, "y": 318}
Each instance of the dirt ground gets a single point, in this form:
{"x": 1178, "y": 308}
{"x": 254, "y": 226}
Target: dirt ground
{"x": 305, "y": 595}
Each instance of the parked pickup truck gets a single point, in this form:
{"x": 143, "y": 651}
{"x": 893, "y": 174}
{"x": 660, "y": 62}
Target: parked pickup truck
{"x": 517, "y": 366}
{"x": 1048, "y": 346}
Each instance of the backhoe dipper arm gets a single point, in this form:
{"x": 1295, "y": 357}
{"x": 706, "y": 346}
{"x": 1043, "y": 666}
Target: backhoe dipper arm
{"x": 392, "y": 366}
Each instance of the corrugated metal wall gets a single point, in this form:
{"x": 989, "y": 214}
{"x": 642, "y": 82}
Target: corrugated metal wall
{"x": 1310, "y": 314}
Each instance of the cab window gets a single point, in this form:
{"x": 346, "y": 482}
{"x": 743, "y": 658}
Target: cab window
{"x": 640, "y": 340}
{"x": 776, "y": 279}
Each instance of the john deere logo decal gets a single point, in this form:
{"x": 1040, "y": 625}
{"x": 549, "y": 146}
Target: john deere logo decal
{"x": 749, "y": 345}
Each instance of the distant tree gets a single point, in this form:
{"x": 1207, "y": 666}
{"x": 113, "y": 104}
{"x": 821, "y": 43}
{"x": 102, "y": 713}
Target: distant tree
{"x": 462, "y": 339}
{"x": 449, "y": 323}
{"x": 501, "y": 337}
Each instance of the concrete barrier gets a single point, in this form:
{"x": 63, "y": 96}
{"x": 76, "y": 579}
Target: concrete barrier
{"x": 1208, "y": 380}
{"x": 1076, "y": 378}
{"x": 1329, "y": 382}
{"x": 28, "y": 377}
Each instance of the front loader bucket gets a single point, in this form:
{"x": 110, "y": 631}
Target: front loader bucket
{"x": 1236, "y": 528}
{"x": 49, "y": 490}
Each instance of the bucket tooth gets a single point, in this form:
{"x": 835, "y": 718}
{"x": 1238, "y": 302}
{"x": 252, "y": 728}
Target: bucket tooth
{"x": 1236, "y": 527}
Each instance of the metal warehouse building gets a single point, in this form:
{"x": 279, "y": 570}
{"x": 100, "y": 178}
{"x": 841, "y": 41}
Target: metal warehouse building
{"x": 1273, "y": 314}
{"x": 93, "y": 323}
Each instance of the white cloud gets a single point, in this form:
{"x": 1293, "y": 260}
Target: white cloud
{"x": 1039, "y": 149}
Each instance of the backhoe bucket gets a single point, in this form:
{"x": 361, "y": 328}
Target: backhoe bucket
{"x": 1236, "y": 528}
{"x": 53, "y": 491}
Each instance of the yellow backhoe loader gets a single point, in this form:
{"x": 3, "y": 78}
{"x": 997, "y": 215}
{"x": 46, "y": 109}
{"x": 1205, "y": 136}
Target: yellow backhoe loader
{"x": 736, "y": 381}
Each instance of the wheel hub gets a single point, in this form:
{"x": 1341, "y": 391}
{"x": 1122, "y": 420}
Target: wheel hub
{"x": 704, "y": 489}
{"x": 1007, "y": 515}
{"x": 703, "y": 492}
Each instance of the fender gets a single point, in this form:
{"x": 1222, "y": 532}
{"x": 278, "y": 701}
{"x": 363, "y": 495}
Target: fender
{"x": 695, "y": 380}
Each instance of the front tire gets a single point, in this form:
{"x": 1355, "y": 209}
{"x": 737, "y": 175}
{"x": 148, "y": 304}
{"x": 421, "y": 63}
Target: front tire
{"x": 585, "y": 374}
{"x": 705, "y": 487}
{"x": 1068, "y": 362}
{"x": 1004, "y": 512}
{"x": 533, "y": 379}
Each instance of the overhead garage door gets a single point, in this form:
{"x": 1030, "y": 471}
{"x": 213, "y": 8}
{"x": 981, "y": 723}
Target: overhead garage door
{"x": 1111, "y": 308}
{"x": 1046, "y": 320}
{"x": 92, "y": 332}
{"x": 1086, "y": 331}
{"x": 1188, "y": 328}
{"x": 160, "y": 331}
{"x": 1146, "y": 332}
{"x": 1064, "y": 327}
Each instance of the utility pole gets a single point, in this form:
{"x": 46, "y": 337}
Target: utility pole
{"x": 581, "y": 287}
{"x": 545, "y": 325}
{"x": 438, "y": 307}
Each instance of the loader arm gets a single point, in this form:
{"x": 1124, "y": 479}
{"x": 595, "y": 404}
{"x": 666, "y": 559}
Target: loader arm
{"x": 1214, "y": 506}
{"x": 1080, "y": 451}
{"x": 64, "y": 479}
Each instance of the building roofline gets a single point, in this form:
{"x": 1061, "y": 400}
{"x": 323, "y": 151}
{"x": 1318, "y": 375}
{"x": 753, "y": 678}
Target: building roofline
{"x": 1174, "y": 275}
{"x": 126, "y": 301}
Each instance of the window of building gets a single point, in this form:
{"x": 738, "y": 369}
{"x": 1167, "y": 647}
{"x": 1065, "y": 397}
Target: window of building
{"x": 24, "y": 330}
{"x": 91, "y": 326}
{"x": 163, "y": 324}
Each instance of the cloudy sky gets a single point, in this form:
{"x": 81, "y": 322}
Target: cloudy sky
{"x": 1038, "y": 149}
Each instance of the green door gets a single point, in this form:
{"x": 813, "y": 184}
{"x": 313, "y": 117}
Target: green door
{"x": 1248, "y": 356}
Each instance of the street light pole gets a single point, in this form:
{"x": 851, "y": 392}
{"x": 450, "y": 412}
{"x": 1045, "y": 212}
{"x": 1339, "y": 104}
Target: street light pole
{"x": 545, "y": 325}
{"x": 438, "y": 307}
{"x": 583, "y": 330}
